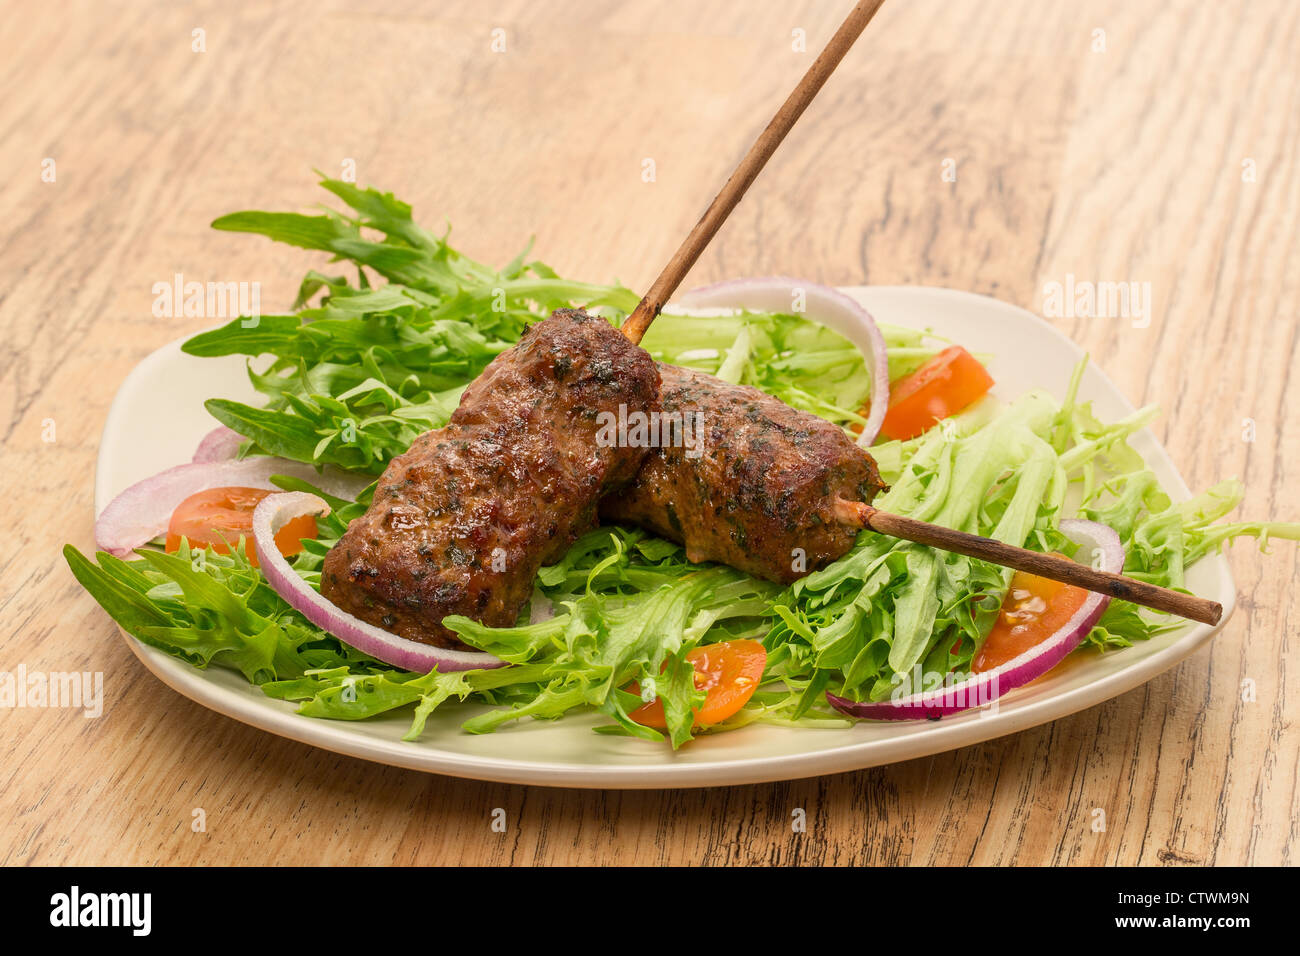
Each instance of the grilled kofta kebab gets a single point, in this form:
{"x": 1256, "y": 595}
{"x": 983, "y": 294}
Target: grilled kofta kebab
{"x": 778, "y": 493}
{"x": 461, "y": 522}
{"x": 762, "y": 494}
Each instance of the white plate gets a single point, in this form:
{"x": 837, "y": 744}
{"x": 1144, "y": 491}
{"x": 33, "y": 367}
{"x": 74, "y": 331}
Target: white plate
{"x": 157, "y": 419}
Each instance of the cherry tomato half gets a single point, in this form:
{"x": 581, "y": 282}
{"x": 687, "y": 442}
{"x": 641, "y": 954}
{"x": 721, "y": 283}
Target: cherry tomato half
{"x": 728, "y": 671}
{"x": 943, "y": 386}
{"x": 1035, "y": 608}
{"x": 219, "y": 517}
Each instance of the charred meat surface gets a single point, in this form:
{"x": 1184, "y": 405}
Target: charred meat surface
{"x": 462, "y": 521}
{"x": 759, "y": 494}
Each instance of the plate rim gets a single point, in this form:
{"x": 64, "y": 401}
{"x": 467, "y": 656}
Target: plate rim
{"x": 277, "y": 717}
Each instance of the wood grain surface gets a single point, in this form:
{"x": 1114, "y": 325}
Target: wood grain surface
{"x": 1162, "y": 149}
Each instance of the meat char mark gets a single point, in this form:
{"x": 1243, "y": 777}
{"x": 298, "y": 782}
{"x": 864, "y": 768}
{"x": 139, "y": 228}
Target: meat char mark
{"x": 462, "y": 521}
{"x": 760, "y": 495}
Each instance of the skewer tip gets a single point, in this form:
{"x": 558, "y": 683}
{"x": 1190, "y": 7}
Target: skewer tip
{"x": 856, "y": 514}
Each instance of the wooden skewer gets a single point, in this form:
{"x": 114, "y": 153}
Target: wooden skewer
{"x": 1033, "y": 562}
{"x": 637, "y": 323}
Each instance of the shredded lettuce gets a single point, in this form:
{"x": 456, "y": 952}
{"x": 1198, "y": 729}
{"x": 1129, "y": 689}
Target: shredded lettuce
{"x": 890, "y": 611}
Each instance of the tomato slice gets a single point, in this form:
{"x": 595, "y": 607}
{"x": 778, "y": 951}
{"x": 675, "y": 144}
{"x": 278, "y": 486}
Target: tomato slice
{"x": 943, "y": 386}
{"x": 728, "y": 671}
{"x": 219, "y": 517}
{"x": 1035, "y": 608}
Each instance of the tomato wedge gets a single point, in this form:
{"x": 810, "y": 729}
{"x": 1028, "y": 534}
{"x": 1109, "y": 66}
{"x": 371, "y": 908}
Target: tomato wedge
{"x": 1035, "y": 608}
{"x": 943, "y": 386}
{"x": 219, "y": 517}
{"x": 728, "y": 671}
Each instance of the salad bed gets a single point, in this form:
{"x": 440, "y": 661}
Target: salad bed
{"x": 362, "y": 367}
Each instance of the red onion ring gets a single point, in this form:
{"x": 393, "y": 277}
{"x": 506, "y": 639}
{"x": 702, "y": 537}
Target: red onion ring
{"x": 830, "y": 307}
{"x": 270, "y": 515}
{"x": 979, "y": 689}
{"x": 220, "y": 444}
{"x": 142, "y": 512}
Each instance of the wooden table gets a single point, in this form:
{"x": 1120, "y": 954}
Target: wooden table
{"x": 1109, "y": 141}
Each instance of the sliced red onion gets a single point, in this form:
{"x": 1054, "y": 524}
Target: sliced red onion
{"x": 220, "y": 444}
{"x": 830, "y": 307}
{"x": 143, "y": 511}
{"x": 270, "y": 515}
{"x": 1096, "y": 542}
